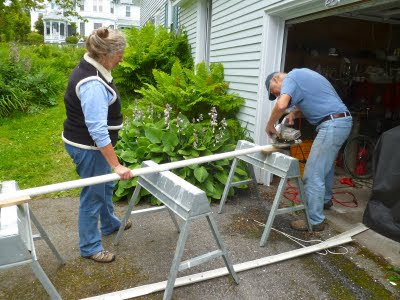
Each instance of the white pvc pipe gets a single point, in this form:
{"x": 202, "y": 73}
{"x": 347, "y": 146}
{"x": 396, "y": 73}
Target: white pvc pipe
{"x": 62, "y": 186}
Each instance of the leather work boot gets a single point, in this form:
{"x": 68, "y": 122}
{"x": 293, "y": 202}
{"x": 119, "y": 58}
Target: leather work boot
{"x": 328, "y": 205}
{"x": 301, "y": 225}
{"x": 128, "y": 225}
{"x": 102, "y": 257}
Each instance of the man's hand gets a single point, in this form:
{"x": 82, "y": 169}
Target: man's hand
{"x": 290, "y": 118}
{"x": 270, "y": 130}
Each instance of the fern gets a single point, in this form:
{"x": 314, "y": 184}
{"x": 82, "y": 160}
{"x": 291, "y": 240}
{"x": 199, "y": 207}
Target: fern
{"x": 192, "y": 93}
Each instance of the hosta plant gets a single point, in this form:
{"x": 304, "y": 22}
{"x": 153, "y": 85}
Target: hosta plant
{"x": 172, "y": 137}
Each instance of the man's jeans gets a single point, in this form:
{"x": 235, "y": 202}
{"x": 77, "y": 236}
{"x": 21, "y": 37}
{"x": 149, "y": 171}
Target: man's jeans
{"x": 319, "y": 169}
{"x": 95, "y": 200}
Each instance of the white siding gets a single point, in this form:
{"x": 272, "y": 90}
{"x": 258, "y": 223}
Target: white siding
{"x": 188, "y": 19}
{"x": 236, "y": 40}
{"x": 148, "y": 9}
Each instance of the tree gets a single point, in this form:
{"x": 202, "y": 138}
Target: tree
{"x": 39, "y": 25}
{"x": 15, "y": 21}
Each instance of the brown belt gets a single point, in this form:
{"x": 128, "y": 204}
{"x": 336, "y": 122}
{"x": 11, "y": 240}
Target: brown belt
{"x": 335, "y": 116}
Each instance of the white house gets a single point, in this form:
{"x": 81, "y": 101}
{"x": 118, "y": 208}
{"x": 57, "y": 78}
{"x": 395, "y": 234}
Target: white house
{"x": 255, "y": 37}
{"x": 98, "y": 13}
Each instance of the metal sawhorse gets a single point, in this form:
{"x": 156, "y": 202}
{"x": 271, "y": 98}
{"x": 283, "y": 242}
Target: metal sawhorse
{"x": 281, "y": 165}
{"x": 16, "y": 239}
{"x": 189, "y": 203}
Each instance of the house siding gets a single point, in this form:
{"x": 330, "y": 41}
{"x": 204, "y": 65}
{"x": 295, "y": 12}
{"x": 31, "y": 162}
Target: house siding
{"x": 149, "y": 8}
{"x": 236, "y": 42}
{"x": 188, "y": 20}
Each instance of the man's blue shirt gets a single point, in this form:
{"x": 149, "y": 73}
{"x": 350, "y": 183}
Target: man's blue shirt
{"x": 313, "y": 94}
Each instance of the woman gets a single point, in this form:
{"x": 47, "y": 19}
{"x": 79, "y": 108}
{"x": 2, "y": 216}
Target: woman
{"x": 90, "y": 131}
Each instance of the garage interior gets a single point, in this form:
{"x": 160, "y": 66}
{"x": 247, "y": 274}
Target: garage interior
{"x": 359, "y": 53}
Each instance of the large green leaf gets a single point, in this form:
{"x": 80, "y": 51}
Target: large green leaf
{"x": 222, "y": 177}
{"x": 155, "y": 148}
{"x": 201, "y": 174}
{"x": 170, "y": 139}
{"x": 143, "y": 141}
{"x": 129, "y": 156}
{"x": 155, "y": 135}
{"x": 240, "y": 171}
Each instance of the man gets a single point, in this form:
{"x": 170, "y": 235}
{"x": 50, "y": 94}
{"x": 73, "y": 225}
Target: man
{"x": 314, "y": 98}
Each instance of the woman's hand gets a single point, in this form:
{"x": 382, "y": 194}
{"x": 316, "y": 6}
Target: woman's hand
{"x": 123, "y": 172}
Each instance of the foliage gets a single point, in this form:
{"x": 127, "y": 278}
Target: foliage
{"x": 72, "y": 39}
{"x": 31, "y": 77}
{"x": 192, "y": 93}
{"x": 39, "y": 25}
{"x": 14, "y": 20}
{"x": 175, "y": 138}
{"x": 150, "y": 48}
{"x": 34, "y": 38}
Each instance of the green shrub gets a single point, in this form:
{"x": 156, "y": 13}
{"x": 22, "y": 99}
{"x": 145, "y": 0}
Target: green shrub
{"x": 34, "y": 38}
{"x": 150, "y": 48}
{"x": 31, "y": 77}
{"x": 72, "y": 39}
{"x": 174, "y": 138}
{"x": 192, "y": 93}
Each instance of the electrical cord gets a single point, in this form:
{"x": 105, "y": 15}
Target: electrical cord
{"x": 291, "y": 192}
{"x": 298, "y": 241}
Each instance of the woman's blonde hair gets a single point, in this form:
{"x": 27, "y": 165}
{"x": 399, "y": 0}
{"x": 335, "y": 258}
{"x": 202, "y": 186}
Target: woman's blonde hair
{"x": 104, "y": 41}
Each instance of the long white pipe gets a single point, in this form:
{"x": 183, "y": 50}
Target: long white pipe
{"x": 62, "y": 186}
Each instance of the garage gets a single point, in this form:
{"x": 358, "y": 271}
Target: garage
{"x": 358, "y": 51}
{"x": 357, "y": 48}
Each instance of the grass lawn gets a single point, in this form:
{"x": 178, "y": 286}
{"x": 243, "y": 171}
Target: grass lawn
{"x": 32, "y": 152}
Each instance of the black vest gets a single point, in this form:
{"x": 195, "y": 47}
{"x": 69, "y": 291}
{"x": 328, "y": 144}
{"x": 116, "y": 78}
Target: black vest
{"x": 75, "y": 129}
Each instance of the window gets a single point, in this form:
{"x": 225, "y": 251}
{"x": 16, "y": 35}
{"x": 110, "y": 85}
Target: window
{"x": 71, "y": 30}
{"x": 100, "y": 5}
{"x": 47, "y": 28}
{"x": 82, "y": 28}
{"x": 55, "y": 28}
{"x": 97, "y": 25}
{"x": 94, "y": 5}
{"x": 82, "y": 5}
{"x": 128, "y": 11}
{"x": 62, "y": 29}
{"x": 175, "y": 18}
{"x": 166, "y": 25}
{"x": 112, "y": 7}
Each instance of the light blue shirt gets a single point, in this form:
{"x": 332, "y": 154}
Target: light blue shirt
{"x": 95, "y": 99}
{"x": 313, "y": 94}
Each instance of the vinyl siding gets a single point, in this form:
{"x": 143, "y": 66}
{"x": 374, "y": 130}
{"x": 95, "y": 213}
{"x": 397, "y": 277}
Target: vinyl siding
{"x": 148, "y": 9}
{"x": 188, "y": 20}
{"x": 236, "y": 37}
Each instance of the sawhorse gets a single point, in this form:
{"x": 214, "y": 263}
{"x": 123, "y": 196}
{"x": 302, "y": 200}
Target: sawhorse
{"x": 16, "y": 238}
{"x": 279, "y": 164}
{"x": 189, "y": 203}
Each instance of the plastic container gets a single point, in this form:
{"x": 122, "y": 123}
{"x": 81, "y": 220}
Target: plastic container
{"x": 301, "y": 152}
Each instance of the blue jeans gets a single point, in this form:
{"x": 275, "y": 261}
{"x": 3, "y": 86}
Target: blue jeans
{"x": 95, "y": 200}
{"x": 319, "y": 169}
